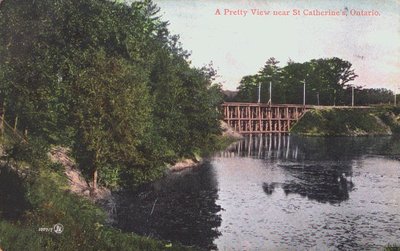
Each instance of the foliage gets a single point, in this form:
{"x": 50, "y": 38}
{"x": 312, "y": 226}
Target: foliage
{"x": 390, "y": 115}
{"x": 13, "y": 201}
{"x": 327, "y": 83}
{"x": 108, "y": 80}
{"x": 366, "y": 96}
{"x": 340, "y": 122}
{"x": 26, "y": 152}
{"x": 221, "y": 143}
{"x": 392, "y": 247}
{"x": 46, "y": 201}
{"x": 270, "y": 73}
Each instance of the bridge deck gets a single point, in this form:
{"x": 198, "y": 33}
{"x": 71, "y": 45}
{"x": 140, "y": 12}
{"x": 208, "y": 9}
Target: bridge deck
{"x": 262, "y": 118}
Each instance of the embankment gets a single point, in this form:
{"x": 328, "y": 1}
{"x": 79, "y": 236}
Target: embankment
{"x": 339, "y": 121}
{"x": 222, "y": 141}
{"x": 37, "y": 194}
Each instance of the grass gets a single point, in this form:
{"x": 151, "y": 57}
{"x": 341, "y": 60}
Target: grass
{"x": 346, "y": 122}
{"x": 47, "y": 201}
{"x": 392, "y": 247}
{"x": 34, "y": 194}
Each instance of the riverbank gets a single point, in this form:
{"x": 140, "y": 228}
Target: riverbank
{"x": 81, "y": 187}
{"x": 392, "y": 247}
{"x": 223, "y": 141}
{"x": 39, "y": 192}
{"x": 337, "y": 121}
{"x": 53, "y": 190}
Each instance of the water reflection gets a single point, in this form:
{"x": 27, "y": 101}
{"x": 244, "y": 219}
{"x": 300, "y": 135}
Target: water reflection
{"x": 278, "y": 193}
{"x": 324, "y": 172}
{"x": 318, "y": 193}
{"x": 262, "y": 146}
{"x": 327, "y": 180}
{"x": 284, "y": 147}
{"x": 180, "y": 208}
{"x": 315, "y": 183}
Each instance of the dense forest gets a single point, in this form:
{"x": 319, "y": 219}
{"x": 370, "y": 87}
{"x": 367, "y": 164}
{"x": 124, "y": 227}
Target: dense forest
{"x": 107, "y": 80}
{"x": 327, "y": 82}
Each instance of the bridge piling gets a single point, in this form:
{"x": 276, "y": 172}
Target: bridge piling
{"x": 253, "y": 118}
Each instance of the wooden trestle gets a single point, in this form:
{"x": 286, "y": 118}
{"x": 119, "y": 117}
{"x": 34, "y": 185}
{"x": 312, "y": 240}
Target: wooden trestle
{"x": 262, "y": 118}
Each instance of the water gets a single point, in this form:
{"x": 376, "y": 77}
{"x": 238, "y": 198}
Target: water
{"x": 278, "y": 192}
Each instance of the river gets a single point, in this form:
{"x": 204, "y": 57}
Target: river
{"x": 277, "y": 192}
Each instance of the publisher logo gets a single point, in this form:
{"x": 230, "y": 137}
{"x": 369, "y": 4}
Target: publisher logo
{"x": 58, "y": 228}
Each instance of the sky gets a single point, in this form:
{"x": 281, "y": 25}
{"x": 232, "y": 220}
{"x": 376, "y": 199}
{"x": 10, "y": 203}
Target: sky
{"x": 239, "y": 44}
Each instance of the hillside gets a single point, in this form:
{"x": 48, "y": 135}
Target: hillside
{"x": 349, "y": 122}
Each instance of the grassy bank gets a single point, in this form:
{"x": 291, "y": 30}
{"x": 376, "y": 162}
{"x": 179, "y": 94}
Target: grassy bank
{"x": 392, "y": 247}
{"x": 382, "y": 120}
{"x": 34, "y": 196}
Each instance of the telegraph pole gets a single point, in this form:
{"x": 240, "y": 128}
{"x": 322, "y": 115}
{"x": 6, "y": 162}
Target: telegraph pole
{"x": 270, "y": 93}
{"x": 395, "y": 103}
{"x": 304, "y": 91}
{"x": 352, "y": 95}
{"x": 259, "y": 92}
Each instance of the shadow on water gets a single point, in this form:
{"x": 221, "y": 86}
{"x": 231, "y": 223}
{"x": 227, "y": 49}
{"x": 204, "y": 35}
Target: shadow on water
{"x": 277, "y": 192}
{"x": 12, "y": 195}
{"x": 180, "y": 208}
{"x": 317, "y": 168}
{"x": 322, "y": 186}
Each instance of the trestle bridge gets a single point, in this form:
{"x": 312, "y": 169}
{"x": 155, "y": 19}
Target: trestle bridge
{"x": 248, "y": 118}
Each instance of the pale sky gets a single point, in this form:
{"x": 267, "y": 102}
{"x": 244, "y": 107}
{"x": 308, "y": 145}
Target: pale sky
{"x": 239, "y": 45}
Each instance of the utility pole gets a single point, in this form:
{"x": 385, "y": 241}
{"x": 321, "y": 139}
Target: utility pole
{"x": 270, "y": 93}
{"x": 259, "y": 92}
{"x": 352, "y": 95}
{"x": 304, "y": 91}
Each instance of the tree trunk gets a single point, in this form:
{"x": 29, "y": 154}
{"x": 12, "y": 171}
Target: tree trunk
{"x": 2, "y": 118}
{"x": 15, "y": 123}
{"x": 95, "y": 180}
{"x": 95, "y": 172}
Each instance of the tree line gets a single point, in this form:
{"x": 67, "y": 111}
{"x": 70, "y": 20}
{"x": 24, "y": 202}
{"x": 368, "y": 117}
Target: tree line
{"x": 109, "y": 81}
{"x": 327, "y": 81}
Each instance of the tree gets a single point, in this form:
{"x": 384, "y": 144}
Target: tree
{"x": 332, "y": 75}
{"x": 112, "y": 112}
{"x": 293, "y": 74}
{"x": 106, "y": 79}
{"x": 248, "y": 89}
{"x": 326, "y": 80}
{"x": 271, "y": 72}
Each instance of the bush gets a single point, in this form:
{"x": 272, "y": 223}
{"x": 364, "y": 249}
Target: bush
{"x": 48, "y": 202}
{"x": 340, "y": 122}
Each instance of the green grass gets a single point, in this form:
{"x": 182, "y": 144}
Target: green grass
{"x": 392, "y": 247}
{"x": 44, "y": 200}
{"x": 390, "y": 115}
{"x": 342, "y": 122}
{"x": 48, "y": 202}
